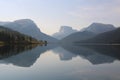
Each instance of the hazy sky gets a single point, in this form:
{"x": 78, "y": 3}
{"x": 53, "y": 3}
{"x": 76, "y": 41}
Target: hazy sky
{"x": 49, "y": 15}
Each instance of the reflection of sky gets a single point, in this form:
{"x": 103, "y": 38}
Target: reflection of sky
{"x": 54, "y": 13}
{"x": 49, "y": 67}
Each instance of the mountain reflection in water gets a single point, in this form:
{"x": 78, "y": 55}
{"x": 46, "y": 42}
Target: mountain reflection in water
{"x": 22, "y": 55}
{"x": 95, "y": 54}
{"x": 26, "y": 56}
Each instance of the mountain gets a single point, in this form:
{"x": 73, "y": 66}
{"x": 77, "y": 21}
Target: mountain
{"x": 89, "y": 32}
{"x": 63, "y": 32}
{"x": 3, "y": 23}
{"x": 98, "y": 28}
{"x": 8, "y": 36}
{"x": 78, "y": 36}
{"x": 111, "y": 37}
{"x": 28, "y": 27}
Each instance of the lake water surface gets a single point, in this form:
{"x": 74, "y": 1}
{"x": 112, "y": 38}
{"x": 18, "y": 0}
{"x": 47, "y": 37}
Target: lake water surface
{"x": 53, "y": 62}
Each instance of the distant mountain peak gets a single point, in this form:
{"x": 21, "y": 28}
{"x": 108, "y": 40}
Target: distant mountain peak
{"x": 102, "y": 24}
{"x": 26, "y": 23}
{"x": 63, "y": 32}
{"x": 24, "y": 20}
{"x": 99, "y": 28}
{"x": 65, "y": 28}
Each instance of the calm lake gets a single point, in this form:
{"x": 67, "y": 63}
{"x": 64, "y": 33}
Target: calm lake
{"x": 54, "y": 62}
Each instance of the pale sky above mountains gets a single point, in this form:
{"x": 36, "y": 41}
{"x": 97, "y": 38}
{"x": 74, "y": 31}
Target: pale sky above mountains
{"x": 49, "y": 15}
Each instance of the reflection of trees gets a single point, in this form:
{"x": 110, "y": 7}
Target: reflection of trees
{"x": 9, "y": 50}
{"x": 22, "y": 55}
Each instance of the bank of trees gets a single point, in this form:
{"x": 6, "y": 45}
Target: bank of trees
{"x": 10, "y": 36}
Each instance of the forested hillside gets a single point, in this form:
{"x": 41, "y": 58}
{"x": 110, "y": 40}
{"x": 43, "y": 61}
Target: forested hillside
{"x": 8, "y": 36}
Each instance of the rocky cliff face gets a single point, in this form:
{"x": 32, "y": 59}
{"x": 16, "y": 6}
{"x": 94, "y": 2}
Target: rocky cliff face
{"x": 63, "y": 32}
